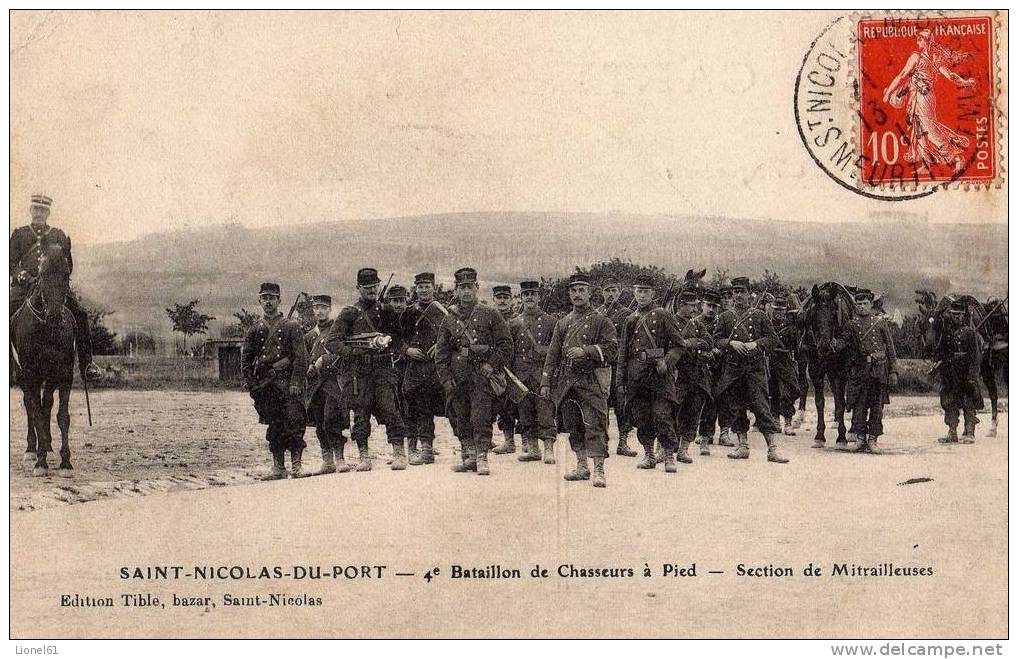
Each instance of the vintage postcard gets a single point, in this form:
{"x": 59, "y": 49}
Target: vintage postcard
{"x": 509, "y": 324}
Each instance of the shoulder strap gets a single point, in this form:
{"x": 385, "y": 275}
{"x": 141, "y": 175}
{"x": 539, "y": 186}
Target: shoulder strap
{"x": 642, "y": 322}
{"x": 740, "y": 321}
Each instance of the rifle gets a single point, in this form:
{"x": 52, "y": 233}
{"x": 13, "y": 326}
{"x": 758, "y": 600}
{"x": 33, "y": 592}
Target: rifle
{"x": 385, "y": 289}
{"x": 293, "y": 307}
{"x": 992, "y": 311}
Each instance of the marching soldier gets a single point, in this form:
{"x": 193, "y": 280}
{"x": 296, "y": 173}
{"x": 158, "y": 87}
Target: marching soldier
{"x": 744, "y": 334}
{"x": 324, "y": 411}
{"x": 507, "y": 413}
{"x": 871, "y": 371}
{"x": 274, "y": 362}
{"x": 531, "y": 332}
{"x": 27, "y": 245}
{"x": 710, "y": 414}
{"x": 959, "y": 357}
{"x": 366, "y": 338}
{"x": 783, "y": 378}
{"x": 473, "y": 346}
{"x": 617, "y": 313}
{"x": 649, "y": 348}
{"x": 397, "y": 298}
{"x": 578, "y": 366}
{"x": 693, "y": 386}
{"x": 421, "y": 387}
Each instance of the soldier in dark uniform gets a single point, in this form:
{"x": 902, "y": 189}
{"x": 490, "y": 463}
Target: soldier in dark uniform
{"x": 473, "y": 346}
{"x": 727, "y": 298}
{"x": 693, "y": 379}
{"x": 274, "y": 362}
{"x": 578, "y": 369}
{"x": 649, "y": 348}
{"x": 531, "y": 331}
{"x": 783, "y": 371}
{"x": 617, "y": 313}
{"x": 744, "y": 335}
{"x": 959, "y": 356}
{"x": 366, "y": 339}
{"x": 422, "y": 389}
{"x": 27, "y": 245}
{"x": 324, "y": 411}
{"x": 709, "y": 416}
{"x": 867, "y": 337}
{"x": 397, "y": 298}
{"x": 507, "y": 412}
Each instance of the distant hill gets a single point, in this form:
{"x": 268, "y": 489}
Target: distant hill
{"x": 894, "y": 253}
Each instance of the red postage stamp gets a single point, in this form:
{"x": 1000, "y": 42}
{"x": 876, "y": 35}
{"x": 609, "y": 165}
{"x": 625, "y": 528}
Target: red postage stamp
{"x": 926, "y": 106}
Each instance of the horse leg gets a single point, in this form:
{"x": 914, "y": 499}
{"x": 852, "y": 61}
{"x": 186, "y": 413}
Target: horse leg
{"x": 818, "y": 399}
{"x": 30, "y": 399}
{"x": 42, "y": 431}
{"x": 989, "y": 377}
{"x": 64, "y": 423}
{"x": 803, "y": 393}
{"x": 838, "y": 389}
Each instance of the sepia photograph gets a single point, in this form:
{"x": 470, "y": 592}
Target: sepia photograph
{"x": 509, "y": 325}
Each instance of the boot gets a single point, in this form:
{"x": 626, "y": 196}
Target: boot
{"x": 328, "y": 463}
{"x": 624, "y": 448}
{"x": 742, "y": 452}
{"x": 482, "y": 464}
{"x": 861, "y": 446}
{"x": 599, "y": 480}
{"x": 296, "y": 468}
{"x": 398, "y": 456}
{"x": 669, "y": 463}
{"x": 278, "y": 471}
{"x": 531, "y": 451}
{"x": 797, "y": 419}
{"x": 342, "y": 466}
{"x": 683, "y": 455}
{"x": 873, "y": 445}
{"x": 659, "y": 455}
{"x": 704, "y": 443}
{"x": 789, "y": 429}
{"x": 469, "y": 463}
{"x": 508, "y": 446}
{"x": 427, "y": 452}
{"x": 414, "y": 457}
{"x": 365, "y": 459}
{"x": 952, "y": 436}
{"x": 724, "y": 438}
{"x": 648, "y": 461}
{"x": 969, "y": 436}
{"x": 772, "y": 450}
{"x": 549, "y": 451}
{"x": 582, "y": 471}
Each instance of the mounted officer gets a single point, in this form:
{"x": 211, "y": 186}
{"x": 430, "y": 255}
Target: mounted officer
{"x": 27, "y": 245}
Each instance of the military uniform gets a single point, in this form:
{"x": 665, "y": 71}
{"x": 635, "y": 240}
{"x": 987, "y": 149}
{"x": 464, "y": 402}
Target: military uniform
{"x": 617, "y": 314}
{"x": 507, "y": 412}
{"x": 274, "y": 359}
{"x": 531, "y": 332}
{"x": 579, "y": 387}
{"x": 471, "y": 336}
{"x": 709, "y": 415}
{"x": 650, "y": 400}
{"x": 322, "y": 400}
{"x": 693, "y": 382}
{"x": 368, "y": 377}
{"x": 872, "y": 361}
{"x": 27, "y": 245}
{"x": 783, "y": 371}
{"x": 959, "y": 356}
{"x": 742, "y": 384}
{"x": 422, "y": 389}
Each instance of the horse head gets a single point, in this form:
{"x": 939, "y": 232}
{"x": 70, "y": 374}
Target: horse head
{"x": 826, "y": 310}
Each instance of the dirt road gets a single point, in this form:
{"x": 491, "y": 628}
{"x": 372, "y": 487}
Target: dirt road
{"x": 824, "y": 507}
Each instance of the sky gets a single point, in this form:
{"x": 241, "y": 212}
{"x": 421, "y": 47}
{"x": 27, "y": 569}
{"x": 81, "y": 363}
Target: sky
{"x": 147, "y": 122}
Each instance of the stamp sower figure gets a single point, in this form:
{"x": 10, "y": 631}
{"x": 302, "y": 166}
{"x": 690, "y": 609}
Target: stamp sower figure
{"x": 507, "y": 412}
{"x": 744, "y": 334}
{"x": 871, "y": 371}
{"x": 710, "y": 307}
{"x": 421, "y": 387}
{"x": 531, "y": 332}
{"x": 649, "y": 348}
{"x": 693, "y": 378}
{"x": 783, "y": 377}
{"x": 365, "y": 335}
{"x": 27, "y": 245}
{"x": 473, "y": 346}
{"x": 959, "y": 355}
{"x": 578, "y": 369}
{"x": 322, "y": 395}
{"x": 617, "y": 313}
{"x": 274, "y": 363}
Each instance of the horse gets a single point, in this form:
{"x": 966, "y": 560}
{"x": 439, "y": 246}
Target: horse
{"x": 990, "y": 320}
{"x": 826, "y": 310}
{"x": 42, "y": 337}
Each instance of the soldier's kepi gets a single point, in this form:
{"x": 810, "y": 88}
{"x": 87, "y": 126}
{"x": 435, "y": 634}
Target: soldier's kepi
{"x": 274, "y": 362}
{"x": 325, "y": 412}
{"x": 473, "y": 347}
{"x": 577, "y": 374}
{"x": 531, "y": 332}
{"x": 27, "y": 245}
{"x": 421, "y": 387}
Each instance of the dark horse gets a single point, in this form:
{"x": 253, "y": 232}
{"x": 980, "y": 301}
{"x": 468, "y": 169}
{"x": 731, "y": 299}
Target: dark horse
{"x": 42, "y": 334}
{"x": 826, "y": 310}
